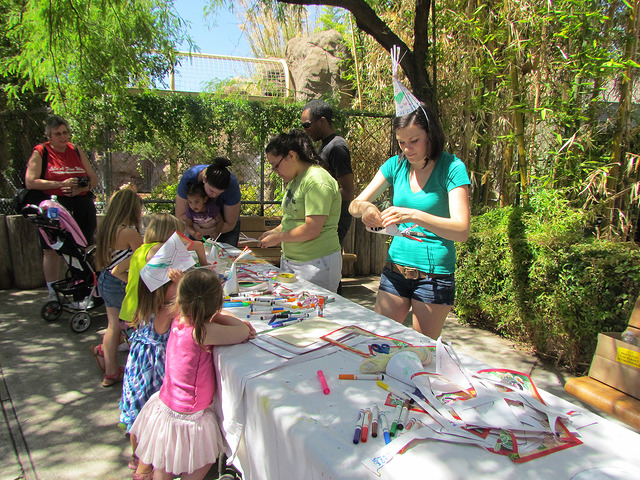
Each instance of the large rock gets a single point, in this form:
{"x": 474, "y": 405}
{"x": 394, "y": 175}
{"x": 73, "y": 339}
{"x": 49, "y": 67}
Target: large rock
{"x": 315, "y": 66}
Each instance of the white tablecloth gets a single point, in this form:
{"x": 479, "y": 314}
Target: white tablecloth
{"x": 281, "y": 426}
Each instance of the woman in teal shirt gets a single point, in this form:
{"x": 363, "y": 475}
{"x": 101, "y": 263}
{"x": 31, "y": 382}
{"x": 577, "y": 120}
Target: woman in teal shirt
{"x": 430, "y": 196}
{"x": 310, "y": 212}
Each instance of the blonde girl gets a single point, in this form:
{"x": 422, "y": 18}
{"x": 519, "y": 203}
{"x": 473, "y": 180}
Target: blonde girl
{"x": 150, "y": 313}
{"x": 177, "y": 429}
{"x": 118, "y": 237}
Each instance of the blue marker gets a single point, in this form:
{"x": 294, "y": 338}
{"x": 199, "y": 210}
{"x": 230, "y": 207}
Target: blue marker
{"x": 385, "y": 428}
{"x": 235, "y": 304}
{"x": 359, "y": 422}
{"x": 285, "y": 322}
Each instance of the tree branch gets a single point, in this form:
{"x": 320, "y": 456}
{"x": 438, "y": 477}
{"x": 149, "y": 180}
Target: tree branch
{"x": 413, "y": 62}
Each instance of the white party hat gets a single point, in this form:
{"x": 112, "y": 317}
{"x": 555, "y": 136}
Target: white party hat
{"x": 405, "y": 101}
{"x": 404, "y": 365}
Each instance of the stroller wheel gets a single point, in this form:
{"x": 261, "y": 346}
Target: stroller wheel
{"x": 80, "y": 322}
{"x": 51, "y": 311}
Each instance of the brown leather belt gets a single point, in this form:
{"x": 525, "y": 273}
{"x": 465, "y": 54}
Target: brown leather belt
{"x": 411, "y": 273}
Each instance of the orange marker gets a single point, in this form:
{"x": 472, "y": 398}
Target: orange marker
{"x": 360, "y": 376}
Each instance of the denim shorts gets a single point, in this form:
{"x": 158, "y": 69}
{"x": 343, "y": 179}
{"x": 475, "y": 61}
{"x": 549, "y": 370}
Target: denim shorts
{"x": 112, "y": 289}
{"x": 438, "y": 291}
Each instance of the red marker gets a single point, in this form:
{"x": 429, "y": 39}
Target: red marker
{"x": 323, "y": 382}
{"x": 365, "y": 425}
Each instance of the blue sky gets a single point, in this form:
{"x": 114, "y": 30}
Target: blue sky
{"x": 225, "y": 38}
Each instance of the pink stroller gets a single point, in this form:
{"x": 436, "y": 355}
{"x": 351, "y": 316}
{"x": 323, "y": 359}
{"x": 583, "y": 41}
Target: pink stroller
{"x": 77, "y": 292}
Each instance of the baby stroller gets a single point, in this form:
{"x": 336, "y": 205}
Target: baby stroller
{"x": 77, "y": 292}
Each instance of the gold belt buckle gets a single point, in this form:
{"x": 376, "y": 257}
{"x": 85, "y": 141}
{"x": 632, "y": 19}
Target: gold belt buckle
{"x": 411, "y": 273}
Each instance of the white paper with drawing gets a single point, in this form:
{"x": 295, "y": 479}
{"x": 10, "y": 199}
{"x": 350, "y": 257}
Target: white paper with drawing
{"x": 173, "y": 254}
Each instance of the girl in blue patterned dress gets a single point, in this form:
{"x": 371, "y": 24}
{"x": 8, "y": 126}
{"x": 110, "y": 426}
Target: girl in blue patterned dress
{"x": 152, "y": 319}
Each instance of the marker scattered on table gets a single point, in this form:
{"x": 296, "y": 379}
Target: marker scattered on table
{"x": 323, "y": 382}
{"x": 403, "y": 415}
{"x": 393, "y": 391}
{"x": 365, "y": 424}
{"x": 360, "y": 376}
{"x": 385, "y": 428}
{"x": 374, "y": 420}
{"x": 396, "y": 419}
{"x": 285, "y": 322}
{"x": 359, "y": 422}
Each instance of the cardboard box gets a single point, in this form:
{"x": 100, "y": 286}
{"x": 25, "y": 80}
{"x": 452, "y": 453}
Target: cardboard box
{"x": 617, "y": 363}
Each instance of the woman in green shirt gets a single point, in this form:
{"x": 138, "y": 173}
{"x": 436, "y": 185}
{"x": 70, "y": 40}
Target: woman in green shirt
{"x": 310, "y": 212}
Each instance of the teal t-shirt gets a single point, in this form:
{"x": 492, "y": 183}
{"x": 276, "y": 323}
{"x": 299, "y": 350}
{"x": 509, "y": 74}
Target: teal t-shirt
{"x": 434, "y": 254}
{"x": 314, "y": 192}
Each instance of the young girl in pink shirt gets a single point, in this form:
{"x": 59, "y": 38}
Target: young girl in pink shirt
{"x": 177, "y": 429}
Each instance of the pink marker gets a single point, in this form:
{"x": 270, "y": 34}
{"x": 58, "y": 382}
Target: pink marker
{"x": 323, "y": 382}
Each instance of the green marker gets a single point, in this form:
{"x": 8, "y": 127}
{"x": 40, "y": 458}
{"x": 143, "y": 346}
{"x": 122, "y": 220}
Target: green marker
{"x": 396, "y": 419}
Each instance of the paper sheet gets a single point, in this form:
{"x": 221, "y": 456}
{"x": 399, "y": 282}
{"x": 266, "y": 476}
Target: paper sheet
{"x": 172, "y": 254}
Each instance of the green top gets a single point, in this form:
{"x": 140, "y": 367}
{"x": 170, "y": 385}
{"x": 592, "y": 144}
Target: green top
{"x": 314, "y": 192}
{"x": 130, "y": 302}
{"x": 434, "y": 254}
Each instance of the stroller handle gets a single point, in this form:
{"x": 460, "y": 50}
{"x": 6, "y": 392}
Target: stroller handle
{"x": 30, "y": 209}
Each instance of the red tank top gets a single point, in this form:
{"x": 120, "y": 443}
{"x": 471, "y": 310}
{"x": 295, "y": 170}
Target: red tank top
{"x": 61, "y": 165}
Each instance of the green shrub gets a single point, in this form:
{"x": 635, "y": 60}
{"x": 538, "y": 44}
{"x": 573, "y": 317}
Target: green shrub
{"x": 165, "y": 196}
{"x": 532, "y": 275}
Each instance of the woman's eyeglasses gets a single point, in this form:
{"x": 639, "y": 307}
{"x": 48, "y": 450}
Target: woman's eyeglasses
{"x": 275, "y": 167}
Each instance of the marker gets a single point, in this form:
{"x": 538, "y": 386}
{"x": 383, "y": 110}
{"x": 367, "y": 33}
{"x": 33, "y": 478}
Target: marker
{"x": 323, "y": 382}
{"x": 410, "y": 424}
{"x": 266, "y": 317}
{"x": 365, "y": 425}
{"x": 278, "y": 317}
{"x": 360, "y": 376}
{"x": 374, "y": 420}
{"x": 321, "y": 307}
{"x": 403, "y": 415}
{"x": 396, "y": 419}
{"x": 287, "y": 322}
{"x": 358, "y": 432}
{"x": 232, "y": 304}
{"x": 385, "y": 428}
{"x": 393, "y": 391}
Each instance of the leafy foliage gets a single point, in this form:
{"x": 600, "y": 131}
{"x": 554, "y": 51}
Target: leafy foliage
{"x": 533, "y": 274}
{"x": 83, "y": 50}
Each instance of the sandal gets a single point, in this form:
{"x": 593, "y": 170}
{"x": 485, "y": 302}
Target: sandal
{"x": 110, "y": 380}
{"x": 133, "y": 463}
{"x": 98, "y": 354}
{"x": 143, "y": 476}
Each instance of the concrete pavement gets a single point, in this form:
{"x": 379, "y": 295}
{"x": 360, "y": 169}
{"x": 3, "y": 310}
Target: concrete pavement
{"x": 60, "y": 423}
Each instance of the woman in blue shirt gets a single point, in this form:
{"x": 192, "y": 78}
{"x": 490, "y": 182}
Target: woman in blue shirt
{"x": 430, "y": 196}
{"x": 221, "y": 186}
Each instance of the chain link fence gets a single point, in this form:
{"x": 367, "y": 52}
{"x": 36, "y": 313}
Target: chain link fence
{"x": 370, "y": 139}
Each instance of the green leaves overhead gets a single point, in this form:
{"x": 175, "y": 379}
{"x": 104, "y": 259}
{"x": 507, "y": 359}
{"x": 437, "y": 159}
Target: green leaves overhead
{"x": 82, "y": 49}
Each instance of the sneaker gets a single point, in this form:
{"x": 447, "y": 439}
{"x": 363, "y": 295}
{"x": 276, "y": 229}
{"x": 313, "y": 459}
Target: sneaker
{"x": 52, "y": 297}
{"x": 82, "y": 304}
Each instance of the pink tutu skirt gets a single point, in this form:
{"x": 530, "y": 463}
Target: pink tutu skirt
{"x": 175, "y": 442}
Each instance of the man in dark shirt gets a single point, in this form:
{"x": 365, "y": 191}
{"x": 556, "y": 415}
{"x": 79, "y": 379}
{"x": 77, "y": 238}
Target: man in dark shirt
{"x": 316, "y": 120}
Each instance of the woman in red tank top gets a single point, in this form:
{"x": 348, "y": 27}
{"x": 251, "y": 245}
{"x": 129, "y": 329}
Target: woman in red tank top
{"x": 70, "y": 176}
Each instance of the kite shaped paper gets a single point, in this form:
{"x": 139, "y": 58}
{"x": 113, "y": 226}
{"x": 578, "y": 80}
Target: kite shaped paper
{"x": 231, "y": 286}
{"x": 172, "y": 254}
{"x": 394, "y": 231}
{"x": 405, "y": 101}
